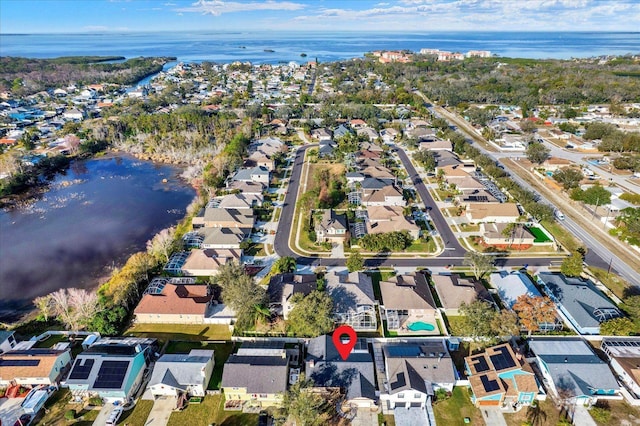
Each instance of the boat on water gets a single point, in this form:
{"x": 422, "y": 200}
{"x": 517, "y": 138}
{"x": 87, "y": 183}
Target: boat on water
{"x": 304, "y": 55}
{"x": 269, "y": 50}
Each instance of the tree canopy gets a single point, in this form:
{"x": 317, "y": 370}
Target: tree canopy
{"x": 479, "y": 263}
{"x": 572, "y": 265}
{"x": 355, "y": 262}
{"x": 534, "y": 311}
{"x": 312, "y": 315}
{"x": 240, "y": 293}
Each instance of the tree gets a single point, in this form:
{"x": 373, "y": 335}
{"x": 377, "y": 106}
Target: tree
{"x": 595, "y": 195}
{"x": 568, "y": 177}
{"x": 44, "y": 305}
{"x": 74, "y": 307}
{"x": 505, "y": 324}
{"x": 312, "y": 315}
{"x": 284, "y": 265}
{"x": 572, "y": 265}
{"x": 240, "y": 293}
{"x": 540, "y": 211}
{"x": 479, "y": 263}
{"x": 618, "y": 327}
{"x": 528, "y": 126}
{"x": 426, "y": 159}
{"x": 478, "y": 318}
{"x": 355, "y": 262}
{"x": 162, "y": 244}
{"x": 533, "y": 311}
{"x": 108, "y": 322}
{"x": 537, "y": 153}
{"x": 304, "y": 407}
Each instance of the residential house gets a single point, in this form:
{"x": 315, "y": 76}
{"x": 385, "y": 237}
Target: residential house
{"x": 453, "y": 291}
{"x": 353, "y": 300}
{"x": 256, "y": 174}
{"x": 321, "y": 134}
{"x": 73, "y": 115}
{"x": 175, "y": 374}
{"x": 384, "y": 219}
{"x": 492, "y": 212}
{"x": 354, "y": 375}
{"x": 500, "y": 377}
{"x": 370, "y": 133}
{"x": 33, "y": 367}
{"x": 436, "y": 144}
{"x": 357, "y": 123}
{"x": 260, "y": 159}
{"x": 207, "y": 262}
{"x": 414, "y": 371}
{"x": 368, "y": 184}
{"x": 326, "y": 149}
{"x": 507, "y": 234}
{"x": 223, "y": 238}
{"x": 624, "y": 357}
{"x": 446, "y": 159}
{"x": 282, "y": 288}
{"x": 331, "y": 226}
{"x": 377, "y": 172}
{"x": 572, "y": 371}
{"x": 111, "y": 368}
{"x": 247, "y": 188}
{"x": 512, "y": 285}
{"x": 224, "y": 218}
{"x": 240, "y": 201}
{"x": 408, "y": 304}
{"x": 579, "y": 301}
{"x": 388, "y": 135}
{"x": 341, "y": 131}
{"x": 256, "y": 379}
{"x": 172, "y": 303}
{"x": 390, "y": 195}
{"x": 7, "y": 341}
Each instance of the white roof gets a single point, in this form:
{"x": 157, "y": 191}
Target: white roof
{"x": 511, "y": 286}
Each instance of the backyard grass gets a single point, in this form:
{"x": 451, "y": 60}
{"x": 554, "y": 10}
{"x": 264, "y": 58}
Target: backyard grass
{"x": 619, "y": 413}
{"x": 220, "y": 355}
{"x": 211, "y": 411}
{"x": 255, "y": 249}
{"x": 166, "y": 332}
{"x": 52, "y": 340}
{"x": 452, "y": 411}
{"x": 137, "y": 416}
{"x": 386, "y": 420}
{"x": 542, "y": 414}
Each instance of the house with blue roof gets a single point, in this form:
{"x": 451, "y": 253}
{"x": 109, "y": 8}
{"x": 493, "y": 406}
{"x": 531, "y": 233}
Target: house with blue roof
{"x": 572, "y": 370}
{"x": 579, "y": 301}
{"x": 111, "y": 368}
{"x": 501, "y": 378}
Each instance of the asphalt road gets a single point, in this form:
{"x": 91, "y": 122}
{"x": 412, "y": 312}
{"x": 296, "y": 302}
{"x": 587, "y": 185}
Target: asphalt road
{"x": 451, "y": 257}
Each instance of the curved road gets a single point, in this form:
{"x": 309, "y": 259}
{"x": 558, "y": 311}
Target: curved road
{"x": 452, "y": 255}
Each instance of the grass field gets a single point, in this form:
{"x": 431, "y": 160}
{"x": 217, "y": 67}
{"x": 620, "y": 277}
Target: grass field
{"x": 167, "y": 332}
{"x": 453, "y": 411}
{"x": 542, "y": 414}
{"x": 211, "y": 411}
{"x": 137, "y": 416}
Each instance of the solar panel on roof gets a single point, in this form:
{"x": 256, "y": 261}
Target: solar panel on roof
{"x": 403, "y": 351}
{"x": 489, "y": 385}
{"x": 503, "y": 359}
{"x": 81, "y": 369}
{"x": 480, "y": 363}
{"x": 19, "y": 362}
{"x": 111, "y": 374}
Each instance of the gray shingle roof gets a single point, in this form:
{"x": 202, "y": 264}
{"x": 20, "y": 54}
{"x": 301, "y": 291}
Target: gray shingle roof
{"x": 258, "y": 374}
{"x": 180, "y": 370}
{"x": 578, "y": 297}
{"x": 573, "y": 366}
{"x": 355, "y": 374}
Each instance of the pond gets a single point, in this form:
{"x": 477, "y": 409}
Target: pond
{"x": 89, "y": 221}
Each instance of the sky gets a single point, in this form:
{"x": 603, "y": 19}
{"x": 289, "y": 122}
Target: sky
{"x": 73, "y": 16}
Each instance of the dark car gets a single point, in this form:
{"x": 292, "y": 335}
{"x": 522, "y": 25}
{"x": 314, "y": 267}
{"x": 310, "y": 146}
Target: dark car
{"x": 23, "y": 420}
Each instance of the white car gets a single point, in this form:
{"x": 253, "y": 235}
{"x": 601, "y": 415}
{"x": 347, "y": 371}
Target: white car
{"x": 114, "y": 416}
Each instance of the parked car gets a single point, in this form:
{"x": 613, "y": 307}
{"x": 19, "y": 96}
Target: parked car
{"x": 24, "y": 420}
{"x": 113, "y": 418}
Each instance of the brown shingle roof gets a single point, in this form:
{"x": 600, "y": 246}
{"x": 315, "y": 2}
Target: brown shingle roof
{"x": 176, "y": 299}
{"x": 46, "y": 359}
{"x": 410, "y": 291}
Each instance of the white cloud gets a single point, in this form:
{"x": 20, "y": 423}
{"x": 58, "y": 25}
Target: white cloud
{"x": 219, "y": 7}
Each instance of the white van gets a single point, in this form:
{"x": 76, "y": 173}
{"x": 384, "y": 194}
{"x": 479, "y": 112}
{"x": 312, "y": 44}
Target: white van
{"x": 113, "y": 418}
{"x": 559, "y": 215}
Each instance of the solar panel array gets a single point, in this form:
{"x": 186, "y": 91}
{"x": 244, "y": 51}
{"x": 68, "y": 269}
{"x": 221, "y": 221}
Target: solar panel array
{"x": 111, "y": 374}
{"x": 80, "y": 370}
{"x": 19, "y": 362}
{"x": 488, "y": 384}
{"x": 502, "y": 360}
{"x": 480, "y": 363}
{"x": 403, "y": 351}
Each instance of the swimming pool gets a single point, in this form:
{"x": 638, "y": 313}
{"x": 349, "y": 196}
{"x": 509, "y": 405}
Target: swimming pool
{"x": 421, "y": 326}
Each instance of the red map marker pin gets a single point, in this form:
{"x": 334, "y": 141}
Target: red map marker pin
{"x": 344, "y": 346}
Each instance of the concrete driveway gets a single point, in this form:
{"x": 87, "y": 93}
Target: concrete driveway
{"x": 493, "y": 417}
{"x": 162, "y": 408}
{"x": 581, "y": 416}
{"x": 10, "y": 410}
{"x": 103, "y": 415}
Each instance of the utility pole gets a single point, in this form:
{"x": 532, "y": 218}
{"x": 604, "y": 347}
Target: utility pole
{"x": 596, "y": 209}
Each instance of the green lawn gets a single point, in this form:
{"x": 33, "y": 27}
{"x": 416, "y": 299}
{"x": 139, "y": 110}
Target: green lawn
{"x": 420, "y": 246}
{"x": 452, "y": 411}
{"x": 211, "y": 411}
{"x": 255, "y": 249}
{"x": 182, "y": 332}
{"x": 137, "y": 416}
{"x": 52, "y": 340}
{"x": 540, "y": 236}
{"x": 617, "y": 285}
{"x": 221, "y": 354}
{"x": 568, "y": 241}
